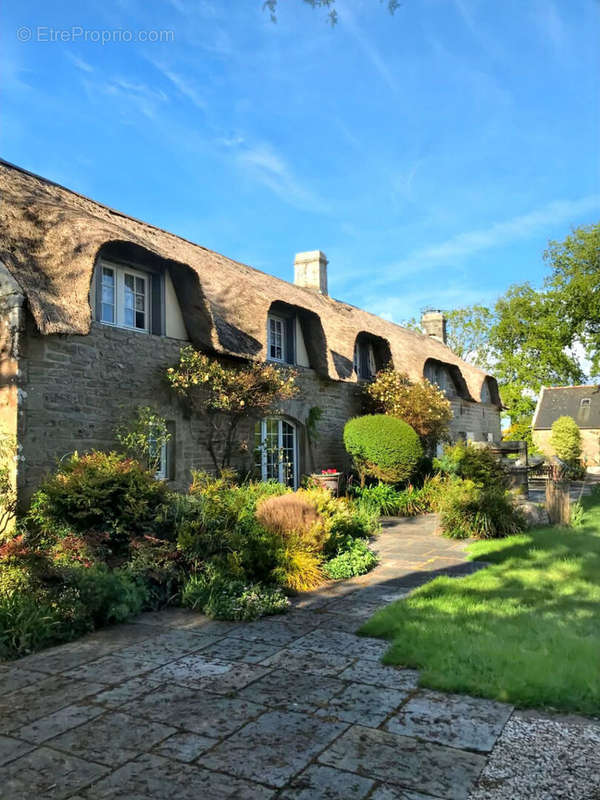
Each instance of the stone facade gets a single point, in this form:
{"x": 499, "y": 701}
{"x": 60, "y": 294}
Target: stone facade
{"x": 74, "y": 390}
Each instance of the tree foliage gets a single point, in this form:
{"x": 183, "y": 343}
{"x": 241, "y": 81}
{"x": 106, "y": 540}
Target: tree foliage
{"x": 227, "y": 394}
{"x": 329, "y": 5}
{"x": 144, "y": 436}
{"x": 574, "y": 287}
{"x": 422, "y": 405}
{"x": 565, "y": 439}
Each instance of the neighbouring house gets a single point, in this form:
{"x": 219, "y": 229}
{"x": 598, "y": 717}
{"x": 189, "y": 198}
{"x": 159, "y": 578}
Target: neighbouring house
{"x": 582, "y": 403}
{"x": 96, "y": 305}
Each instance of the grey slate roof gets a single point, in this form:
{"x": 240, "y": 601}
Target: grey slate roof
{"x": 559, "y": 401}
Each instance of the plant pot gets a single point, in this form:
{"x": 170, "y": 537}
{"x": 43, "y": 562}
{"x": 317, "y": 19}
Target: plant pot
{"x": 328, "y": 480}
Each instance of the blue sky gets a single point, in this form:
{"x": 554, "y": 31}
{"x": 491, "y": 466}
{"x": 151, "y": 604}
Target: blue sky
{"x": 431, "y": 154}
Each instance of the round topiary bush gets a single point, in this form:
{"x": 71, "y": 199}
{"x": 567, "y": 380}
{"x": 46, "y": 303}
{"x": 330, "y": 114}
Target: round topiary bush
{"x": 383, "y": 447}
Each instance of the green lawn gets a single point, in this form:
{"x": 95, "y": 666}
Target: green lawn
{"x": 525, "y": 630}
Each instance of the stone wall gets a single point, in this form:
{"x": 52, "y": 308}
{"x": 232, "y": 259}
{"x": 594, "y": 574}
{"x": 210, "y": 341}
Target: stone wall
{"x": 590, "y": 445}
{"x": 76, "y": 389}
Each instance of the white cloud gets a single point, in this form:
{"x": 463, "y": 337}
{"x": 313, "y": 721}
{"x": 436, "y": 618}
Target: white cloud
{"x": 265, "y": 165}
{"x": 183, "y": 85}
{"x": 79, "y": 62}
{"x": 463, "y": 245}
{"x": 348, "y": 21}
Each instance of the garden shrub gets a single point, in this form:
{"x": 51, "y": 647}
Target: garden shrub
{"x": 298, "y": 568}
{"x": 356, "y": 558}
{"x": 383, "y": 447}
{"x": 223, "y": 598}
{"x": 469, "y": 510}
{"x": 109, "y": 596}
{"x": 99, "y": 492}
{"x": 288, "y": 513}
{"x": 477, "y": 464}
{"x": 383, "y": 500}
{"x": 159, "y": 568}
{"x": 565, "y": 440}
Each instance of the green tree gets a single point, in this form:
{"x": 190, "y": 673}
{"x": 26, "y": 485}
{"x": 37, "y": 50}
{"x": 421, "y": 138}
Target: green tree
{"x": 423, "y": 406}
{"x": 226, "y": 394}
{"x": 574, "y": 287}
{"x": 565, "y": 439}
{"x": 529, "y": 343}
{"x": 468, "y": 331}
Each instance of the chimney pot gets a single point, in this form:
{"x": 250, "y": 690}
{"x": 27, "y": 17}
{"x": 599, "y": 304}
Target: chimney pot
{"x": 434, "y": 325}
{"x": 310, "y": 271}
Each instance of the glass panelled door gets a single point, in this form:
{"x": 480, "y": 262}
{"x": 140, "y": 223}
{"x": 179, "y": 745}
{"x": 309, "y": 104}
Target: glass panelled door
{"x": 275, "y": 451}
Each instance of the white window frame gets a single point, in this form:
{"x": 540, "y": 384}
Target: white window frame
{"x": 162, "y": 471}
{"x": 119, "y": 272}
{"x": 281, "y": 476}
{"x": 282, "y": 334}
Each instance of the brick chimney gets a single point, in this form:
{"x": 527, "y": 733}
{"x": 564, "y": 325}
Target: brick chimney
{"x": 310, "y": 271}
{"x": 434, "y": 324}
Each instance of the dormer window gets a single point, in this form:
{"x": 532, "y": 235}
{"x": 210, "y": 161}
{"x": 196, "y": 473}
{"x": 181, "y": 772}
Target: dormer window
{"x": 364, "y": 360}
{"x": 123, "y": 296}
{"x": 585, "y": 402}
{"x": 281, "y": 340}
{"x": 276, "y": 337}
{"x": 439, "y": 375}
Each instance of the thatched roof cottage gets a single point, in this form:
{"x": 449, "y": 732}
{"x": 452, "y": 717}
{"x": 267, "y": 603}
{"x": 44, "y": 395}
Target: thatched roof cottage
{"x": 96, "y": 304}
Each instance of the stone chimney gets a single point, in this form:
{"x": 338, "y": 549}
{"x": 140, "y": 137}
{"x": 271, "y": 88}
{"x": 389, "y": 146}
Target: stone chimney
{"x": 434, "y": 324}
{"x": 310, "y": 271}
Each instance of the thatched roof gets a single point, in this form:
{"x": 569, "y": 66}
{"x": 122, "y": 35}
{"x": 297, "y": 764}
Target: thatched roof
{"x": 50, "y": 238}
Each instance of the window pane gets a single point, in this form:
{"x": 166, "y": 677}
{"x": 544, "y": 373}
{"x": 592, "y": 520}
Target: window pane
{"x": 108, "y": 276}
{"x": 139, "y": 302}
{"x": 128, "y": 317}
{"x": 140, "y": 319}
{"x": 108, "y": 312}
{"x": 129, "y": 282}
{"x": 140, "y": 285}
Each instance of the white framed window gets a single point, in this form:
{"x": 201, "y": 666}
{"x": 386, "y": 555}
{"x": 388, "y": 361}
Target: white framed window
{"x": 275, "y": 451}
{"x": 162, "y": 464}
{"x": 125, "y": 297}
{"x": 276, "y": 338}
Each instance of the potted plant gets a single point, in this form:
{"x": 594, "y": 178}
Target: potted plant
{"x": 328, "y": 479}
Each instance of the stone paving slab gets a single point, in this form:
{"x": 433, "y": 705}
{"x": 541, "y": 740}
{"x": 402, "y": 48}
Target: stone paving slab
{"x": 40, "y": 699}
{"x": 295, "y": 691}
{"x": 58, "y": 722}
{"x": 169, "y": 646}
{"x": 308, "y": 661}
{"x": 184, "y": 746}
{"x": 153, "y": 777}
{"x": 364, "y": 704}
{"x": 195, "y": 711}
{"x": 441, "y": 771}
{"x": 341, "y": 643}
{"x": 46, "y": 773}
{"x": 10, "y": 749}
{"x": 14, "y": 678}
{"x": 469, "y": 723}
{"x": 325, "y": 783}
{"x": 212, "y": 674}
{"x": 273, "y": 748}
{"x": 112, "y": 739}
{"x": 377, "y": 674}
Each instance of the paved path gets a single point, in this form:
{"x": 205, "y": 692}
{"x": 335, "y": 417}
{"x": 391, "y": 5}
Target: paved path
{"x": 179, "y": 706}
